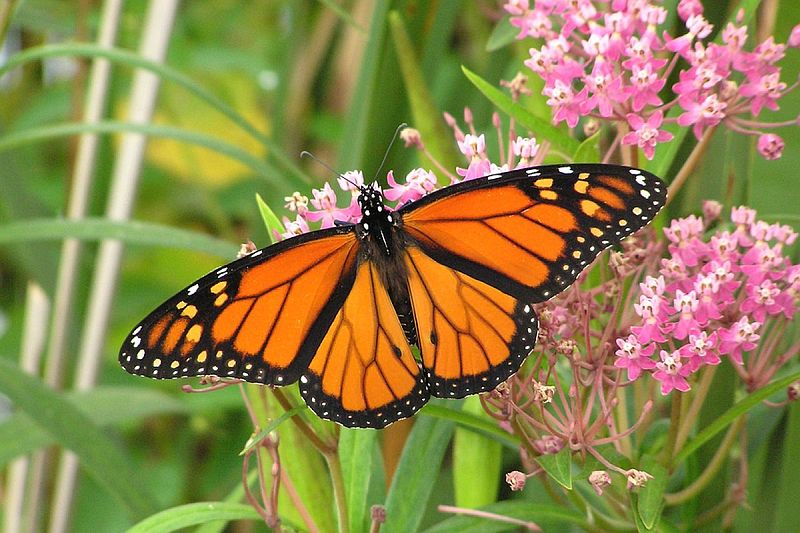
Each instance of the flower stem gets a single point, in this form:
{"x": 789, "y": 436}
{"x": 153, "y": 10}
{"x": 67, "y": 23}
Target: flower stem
{"x": 691, "y": 162}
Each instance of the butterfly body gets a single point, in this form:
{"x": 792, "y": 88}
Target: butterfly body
{"x": 454, "y": 274}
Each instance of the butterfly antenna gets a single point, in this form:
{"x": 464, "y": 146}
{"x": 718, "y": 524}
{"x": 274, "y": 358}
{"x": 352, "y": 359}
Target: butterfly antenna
{"x": 305, "y": 153}
{"x": 400, "y": 128}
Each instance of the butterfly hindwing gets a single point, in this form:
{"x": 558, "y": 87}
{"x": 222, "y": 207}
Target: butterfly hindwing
{"x": 530, "y": 232}
{"x": 259, "y": 318}
{"x": 472, "y": 336}
{"x": 364, "y": 373}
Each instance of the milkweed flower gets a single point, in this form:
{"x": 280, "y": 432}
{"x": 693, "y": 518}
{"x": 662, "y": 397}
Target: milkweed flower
{"x": 612, "y": 61}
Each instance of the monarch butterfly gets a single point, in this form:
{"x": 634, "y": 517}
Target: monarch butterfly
{"x": 454, "y": 273}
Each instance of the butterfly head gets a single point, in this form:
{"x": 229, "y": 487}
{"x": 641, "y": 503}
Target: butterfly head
{"x": 377, "y": 220}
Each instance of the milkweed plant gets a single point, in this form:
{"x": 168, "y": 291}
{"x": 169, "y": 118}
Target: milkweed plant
{"x": 642, "y": 335}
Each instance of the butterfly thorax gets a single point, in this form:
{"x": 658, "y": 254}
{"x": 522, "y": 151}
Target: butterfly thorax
{"x": 377, "y": 225}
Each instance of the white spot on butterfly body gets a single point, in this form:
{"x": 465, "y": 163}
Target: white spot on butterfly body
{"x": 193, "y": 289}
{"x": 565, "y": 170}
{"x": 640, "y": 180}
{"x": 140, "y": 354}
{"x": 137, "y": 330}
{"x": 532, "y": 172}
{"x": 135, "y": 341}
{"x": 492, "y": 176}
{"x": 256, "y": 253}
{"x": 303, "y": 380}
{"x": 635, "y": 171}
{"x": 645, "y": 194}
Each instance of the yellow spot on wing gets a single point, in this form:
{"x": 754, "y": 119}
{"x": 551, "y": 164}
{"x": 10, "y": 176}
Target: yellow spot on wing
{"x": 581, "y": 186}
{"x": 221, "y": 299}
{"x": 597, "y": 232}
{"x": 548, "y": 195}
{"x": 543, "y": 183}
{"x": 201, "y": 357}
{"x": 193, "y": 335}
{"x": 219, "y": 287}
{"x": 175, "y": 364}
{"x": 589, "y": 207}
{"x": 189, "y": 311}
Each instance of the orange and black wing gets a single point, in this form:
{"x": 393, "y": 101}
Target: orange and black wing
{"x": 260, "y": 318}
{"x": 481, "y": 252}
{"x": 363, "y": 373}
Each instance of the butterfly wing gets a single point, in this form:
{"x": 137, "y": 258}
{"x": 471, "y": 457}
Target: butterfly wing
{"x": 481, "y": 252}
{"x": 364, "y": 374}
{"x": 260, "y": 318}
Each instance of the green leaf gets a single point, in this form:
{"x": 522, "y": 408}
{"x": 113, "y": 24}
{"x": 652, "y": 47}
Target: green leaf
{"x": 357, "y": 124}
{"x": 72, "y": 429}
{"x": 258, "y": 166}
{"x": 650, "y": 501}
{"x": 256, "y": 439}
{"x": 732, "y": 414}
{"x": 527, "y": 511}
{"x": 356, "y": 453}
{"x": 502, "y": 35}
{"x": 19, "y": 434}
{"x": 426, "y": 116}
{"x": 167, "y": 73}
{"x": 476, "y": 462}
{"x": 129, "y": 232}
{"x": 558, "y": 466}
{"x": 271, "y": 220}
{"x": 416, "y": 474}
{"x": 542, "y": 130}
{"x": 589, "y": 150}
{"x": 193, "y": 514}
{"x": 479, "y": 425}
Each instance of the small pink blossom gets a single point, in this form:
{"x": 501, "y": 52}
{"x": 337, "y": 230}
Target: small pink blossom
{"x": 794, "y": 37}
{"x": 646, "y": 134}
{"x": 526, "y": 149}
{"x": 740, "y": 337}
{"x": 770, "y": 146}
{"x": 672, "y": 373}
{"x": 632, "y": 357}
{"x": 418, "y": 183}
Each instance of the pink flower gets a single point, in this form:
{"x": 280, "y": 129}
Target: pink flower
{"x": 324, "y": 203}
{"x": 740, "y": 337}
{"x": 351, "y": 181}
{"x": 654, "y": 320}
{"x": 700, "y": 350}
{"x": 525, "y": 149}
{"x": 770, "y": 146}
{"x": 701, "y": 114}
{"x": 646, "y": 134}
{"x": 766, "y": 298}
{"x": 565, "y": 103}
{"x": 293, "y": 228}
{"x": 763, "y": 91}
{"x": 685, "y": 305}
{"x": 633, "y": 357}
{"x": 794, "y": 37}
{"x": 671, "y": 372}
{"x": 419, "y": 182}
{"x": 296, "y": 203}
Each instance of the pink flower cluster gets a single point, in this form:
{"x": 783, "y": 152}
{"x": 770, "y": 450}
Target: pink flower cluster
{"x": 323, "y": 208}
{"x": 713, "y": 299}
{"x": 607, "y": 59}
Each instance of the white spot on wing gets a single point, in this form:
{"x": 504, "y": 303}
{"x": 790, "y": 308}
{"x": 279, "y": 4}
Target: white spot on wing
{"x": 193, "y": 289}
{"x": 565, "y": 170}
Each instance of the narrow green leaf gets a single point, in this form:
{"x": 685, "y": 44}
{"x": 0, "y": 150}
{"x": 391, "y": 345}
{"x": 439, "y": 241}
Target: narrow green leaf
{"x": 130, "y": 232}
{"x": 20, "y": 435}
{"x": 476, "y": 462}
{"x": 344, "y": 15}
{"x": 525, "y": 510}
{"x": 650, "y": 501}
{"x": 502, "y": 35}
{"x": 558, "y": 466}
{"x": 272, "y": 426}
{"x": 167, "y": 73}
{"x": 541, "y": 129}
{"x": 732, "y": 414}
{"x": 193, "y": 514}
{"x": 271, "y": 220}
{"x": 413, "y": 483}
{"x": 426, "y": 116}
{"x": 479, "y": 425}
{"x": 258, "y": 166}
{"x": 72, "y": 429}
{"x": 356, "y": 453}
{"x": 589, "y": 150}
{"x": 236, "y": 495}
{"x": 357, "y": 125}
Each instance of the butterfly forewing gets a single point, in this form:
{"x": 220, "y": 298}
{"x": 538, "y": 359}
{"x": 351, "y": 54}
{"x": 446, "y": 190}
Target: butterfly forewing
{"x": 530, "y": 232}
{"x": 259, "y": 318}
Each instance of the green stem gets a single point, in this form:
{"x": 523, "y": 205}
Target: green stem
{"x": 6, "y": 10}
{"x": 674, "y": 424}
{"x": 711, "y": 469}
{"x": 691, "y": 162}
{"x": 337, "y": 479}
{"x": 700, "y": 393}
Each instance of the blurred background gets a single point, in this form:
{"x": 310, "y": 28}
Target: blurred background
{"x": 254, "y": 83}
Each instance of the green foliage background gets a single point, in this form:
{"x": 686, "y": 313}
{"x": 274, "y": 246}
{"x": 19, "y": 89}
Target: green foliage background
{"x": 335, "y": 79}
